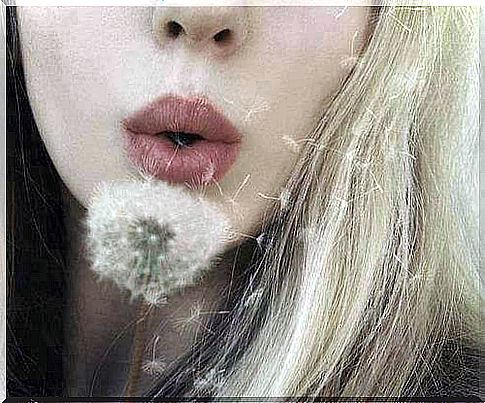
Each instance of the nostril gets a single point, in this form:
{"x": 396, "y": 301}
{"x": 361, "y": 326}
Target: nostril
{"x": 223, "y": 36}
{"x": 174, "y": 29}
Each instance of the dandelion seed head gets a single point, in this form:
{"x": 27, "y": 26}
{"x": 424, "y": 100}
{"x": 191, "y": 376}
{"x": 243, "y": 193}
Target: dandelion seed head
{"x": 151, "y": 238}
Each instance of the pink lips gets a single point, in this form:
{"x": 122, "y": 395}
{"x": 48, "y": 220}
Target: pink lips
{"x": 205, "y": 160}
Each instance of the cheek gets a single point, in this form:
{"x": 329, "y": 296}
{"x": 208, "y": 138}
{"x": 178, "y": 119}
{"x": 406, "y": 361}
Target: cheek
{"x": 308, "y": 53}
{"x": 311, "y": 52}
{"x": 306, "y": 30}
{"x": 305, "y": 54}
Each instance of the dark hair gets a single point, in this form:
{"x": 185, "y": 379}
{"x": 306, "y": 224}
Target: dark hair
{"x": 35, "y": 244}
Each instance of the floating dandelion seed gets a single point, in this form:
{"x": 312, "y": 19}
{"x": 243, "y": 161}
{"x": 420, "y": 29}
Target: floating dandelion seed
{"x": 261, "y": 240}
{"x": 260, "y": 105}
{"x": 194, "y": 318}
{"x": 350, "y": 61}
{"x": 253, "y": 298}
{"x": 184, "y": 323}
{"x": 263, "y": 196}
{"x": 210, "y": 381}
{"x": 152, "y": 238}
{"x": 399, "y": 22}
{"x": 284, "y": 199}
{"x": 257, "y": 106}
{"x": 341, "y": 12}
{"x": 291, "y": 143}
{"x": 208, "y": 174}
{"x": 154, "y": 367}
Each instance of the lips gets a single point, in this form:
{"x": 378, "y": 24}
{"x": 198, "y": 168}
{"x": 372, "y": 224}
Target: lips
{"x": 181, "y": 140}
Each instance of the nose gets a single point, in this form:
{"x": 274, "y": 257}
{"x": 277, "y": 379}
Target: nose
{"x": 214, "y": 31}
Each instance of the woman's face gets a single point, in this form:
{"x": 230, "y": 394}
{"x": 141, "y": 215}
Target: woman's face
{"x": 114, "y": 91}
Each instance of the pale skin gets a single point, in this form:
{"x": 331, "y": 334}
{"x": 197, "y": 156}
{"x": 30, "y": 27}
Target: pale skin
{"x": 88, "y": 68}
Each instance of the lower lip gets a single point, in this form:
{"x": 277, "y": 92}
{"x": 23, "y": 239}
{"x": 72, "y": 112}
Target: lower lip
{"x": 200, "y": 164}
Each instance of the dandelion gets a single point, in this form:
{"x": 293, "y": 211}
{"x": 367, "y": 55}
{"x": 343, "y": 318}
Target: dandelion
{"x": 151, "y": 238}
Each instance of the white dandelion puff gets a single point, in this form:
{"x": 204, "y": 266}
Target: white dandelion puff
{"x": 151, "y": 238}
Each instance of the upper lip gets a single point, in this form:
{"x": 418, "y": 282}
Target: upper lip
{"x": 189, "y": 115}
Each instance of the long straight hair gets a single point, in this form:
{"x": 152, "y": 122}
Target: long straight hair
{"x": 368, "y": 282}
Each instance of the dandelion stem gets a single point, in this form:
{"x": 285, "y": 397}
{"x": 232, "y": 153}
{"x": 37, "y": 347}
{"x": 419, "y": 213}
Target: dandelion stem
{"x": 138, "y": 349}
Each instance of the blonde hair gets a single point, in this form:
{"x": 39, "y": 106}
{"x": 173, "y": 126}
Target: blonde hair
{"x": 371, "y": 269}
